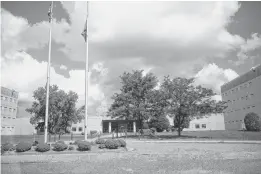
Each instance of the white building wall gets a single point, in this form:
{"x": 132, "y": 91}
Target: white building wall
{"x": 93, "y": 123}
{"x": 212, "y": 122}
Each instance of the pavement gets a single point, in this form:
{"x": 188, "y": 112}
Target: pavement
{"x": 200, "y": 141}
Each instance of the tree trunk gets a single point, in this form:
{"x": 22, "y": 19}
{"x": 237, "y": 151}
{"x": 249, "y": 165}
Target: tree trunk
{"x": 179, "y": 131}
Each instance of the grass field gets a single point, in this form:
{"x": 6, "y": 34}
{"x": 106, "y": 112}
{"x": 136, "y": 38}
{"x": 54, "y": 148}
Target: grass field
{"x": 150, "y": 158}
{"x": 216, "y": 135}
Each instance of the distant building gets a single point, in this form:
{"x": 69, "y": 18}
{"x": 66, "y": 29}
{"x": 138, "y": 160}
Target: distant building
{"x": 212, "y": 122}
{"x": 243, "y": 96}
{"x": 104, "y": 125}
{"x": 9, "y": 100}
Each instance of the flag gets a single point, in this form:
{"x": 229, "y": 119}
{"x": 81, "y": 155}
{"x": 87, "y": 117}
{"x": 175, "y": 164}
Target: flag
{"x": 84, "y": 33}
{"x": 50, "y": 12}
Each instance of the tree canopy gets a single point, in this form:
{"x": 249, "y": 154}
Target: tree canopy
{"x": 132, "y": 102}
{"x": 62, "y": 109}
{"x": 185, "y": 100}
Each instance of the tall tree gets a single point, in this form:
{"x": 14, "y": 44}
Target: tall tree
{"x": 186, "y": 101}
{"x": 133, "y": 100}
{"x": 62, "y": 109}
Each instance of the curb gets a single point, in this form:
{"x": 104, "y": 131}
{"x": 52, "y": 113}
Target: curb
{"x": 207, "y": 142}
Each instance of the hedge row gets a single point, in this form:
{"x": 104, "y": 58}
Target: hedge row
{"x": 61, "y": 146}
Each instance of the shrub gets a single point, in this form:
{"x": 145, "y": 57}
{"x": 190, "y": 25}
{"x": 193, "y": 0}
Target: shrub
{"x": 70, "y": 148}
{"x": 2, "y": 151}
{"x": 8, "y": 147}
{"x": 77, "y": 142}
{"x": 59, "y": 147}
{"x": 153, "y": 130}
{"x": 252, "y": 122}
{"x": 102, "y": 146}
{"x": 161, "y": 123}
{"x": 92, "y": 132}
{"x": 23, "y": 147}
{"x": 84, "y": 146}
{"x": 42, "y": 147}
{"x": 100, "y": 141}
{"x": 122, "y": 143}
{"x": 35, "y": 143}
{"x": 111, "y": 144}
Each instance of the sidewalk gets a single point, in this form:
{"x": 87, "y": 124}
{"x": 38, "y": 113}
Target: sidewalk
{"x": 198, "y": 141}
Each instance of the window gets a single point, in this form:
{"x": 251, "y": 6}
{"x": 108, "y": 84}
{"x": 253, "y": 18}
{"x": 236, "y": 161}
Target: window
{"x": 80, "y": 129}
{"x": 6, "y": 99}
{"x": 74, "y": 129}
{"x": 204, "y": 126}
{"x": 10, "y": 109}
{"x": 197, "y": 126}
{"x": 2, "y": 98}
{"x": 253, "y": 106}
{"x": 11, "y": 100}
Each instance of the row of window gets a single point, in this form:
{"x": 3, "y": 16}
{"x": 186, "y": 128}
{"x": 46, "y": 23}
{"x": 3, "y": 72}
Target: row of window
{"x": 8, "y": 99}
{"x": 235, "y": 121}
{"x": 248, "y": 107}
{"x": 8, "y": 127}
{"x": 241, "y": 98}
{"x": 197, "y": 126}
{"x": 9, "y": 117}
{"x": 79, "y": 129}
{"x": 4, "y": 109}
{"x": 243, "y": 86}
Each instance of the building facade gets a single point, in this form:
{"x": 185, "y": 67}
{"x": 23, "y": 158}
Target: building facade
{"x": 9, "y": 100}
{"x": 243, "y": 95}
{"x": 102, "y": 125}
{"x": 211, "y": 122}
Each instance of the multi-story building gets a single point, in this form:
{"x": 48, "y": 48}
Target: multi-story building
{"x": 9, "y": 100}
{"x": 243, "y": 95}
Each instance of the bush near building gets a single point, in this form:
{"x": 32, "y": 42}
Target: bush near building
{"x": 161, "y": 123}
{"x": 42, "y": 147}
{"x": 84, "y": 146}
{"x": 23, "y": 146}
{"x": 111, "y": 144}
{"x": 100, "y": 141}
{"x": 252, "y": 122}
{"x": 8, "y": 147}
{"x": 59, "y": 147}
{"x": 122, "y": 143}
{"x": 102, "y": 146}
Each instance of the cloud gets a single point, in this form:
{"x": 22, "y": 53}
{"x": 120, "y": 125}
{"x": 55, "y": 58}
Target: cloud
{"x": 27, "y": 74}
{"x": 250, "y": 45}
{"x": 214, "y": 77}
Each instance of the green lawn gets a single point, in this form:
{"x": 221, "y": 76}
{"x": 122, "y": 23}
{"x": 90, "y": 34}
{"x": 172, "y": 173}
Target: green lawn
{"x": 216, "y": 135}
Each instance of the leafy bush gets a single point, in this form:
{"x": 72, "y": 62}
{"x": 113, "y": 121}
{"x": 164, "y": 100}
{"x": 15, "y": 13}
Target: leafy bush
{"x": 111, "y": 144}
{"x": 161, "y": 123}
{"x": 59, "y": 147}
{"x": 122, "y": 143}
{"x": 100, "y": 141}
{"x": 84, "y": 146}
{"x": 102, "y": 146}
{"x": 77, "y": 142}
{"x": 8, "y": 147}
{"x": 23, "y": 147}
{"x": 252, "y": 122}
{"x": 42, "y": 147}
{"x": 70, "y": 148}
{"x": 92, "y": 132}
{"x": 153, "y": 130}
{"x": 35, "y": 143}
{"x": 2, "y": 151}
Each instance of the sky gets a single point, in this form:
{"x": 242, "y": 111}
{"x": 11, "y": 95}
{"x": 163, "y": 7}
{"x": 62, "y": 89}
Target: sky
{"x": 212, "y": 41}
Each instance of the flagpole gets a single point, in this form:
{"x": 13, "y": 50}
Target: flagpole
{"x": 48, "y": 73}
{"x": 86, "y": 76}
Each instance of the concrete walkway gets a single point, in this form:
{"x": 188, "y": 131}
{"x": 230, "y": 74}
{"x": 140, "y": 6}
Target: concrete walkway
{"x": 199, "y": 141}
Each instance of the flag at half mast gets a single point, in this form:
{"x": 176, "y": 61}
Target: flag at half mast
{"x": 84, "y": 33}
